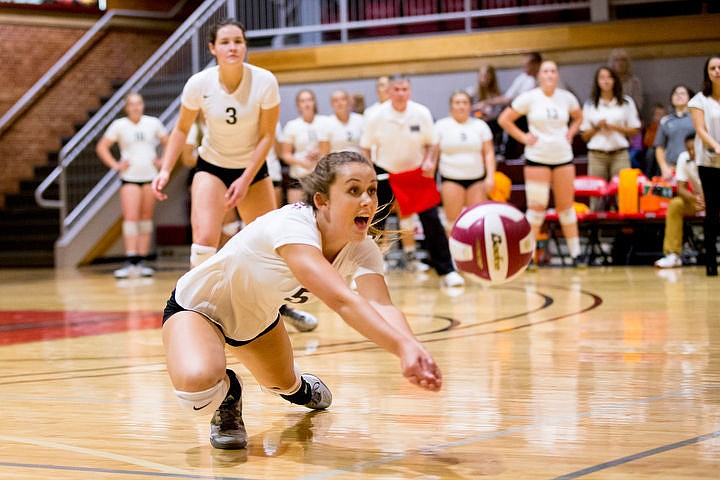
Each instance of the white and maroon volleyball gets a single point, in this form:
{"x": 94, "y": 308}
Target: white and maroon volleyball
{"x": 492, "y": 241}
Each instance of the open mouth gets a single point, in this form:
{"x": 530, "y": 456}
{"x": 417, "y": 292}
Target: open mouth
{"x": 362, "y": 222}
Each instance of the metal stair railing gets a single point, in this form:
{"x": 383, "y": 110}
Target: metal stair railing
{"x": 81, "y": 176}
{"x": 69, "y": 58}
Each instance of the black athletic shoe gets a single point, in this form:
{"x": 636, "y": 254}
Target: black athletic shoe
{"x": 227, "y": 430}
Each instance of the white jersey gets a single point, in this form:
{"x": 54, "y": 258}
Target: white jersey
{"x": 460, "y": 146}
{"x": 624, "y": 115}
{"x": 344, "y": 136}
{"x": 686, "y": 170}
{"x": 521, "y": 84}
{"x": 711, "y": 111}
{"x": 232, "y": 118}
{"x": 400, "y": 137}
{"x": 548, "y": 119}
{"x": 138, "y": 144}
{"x": 303, "y": 136}
{"x": 242, "y": 287}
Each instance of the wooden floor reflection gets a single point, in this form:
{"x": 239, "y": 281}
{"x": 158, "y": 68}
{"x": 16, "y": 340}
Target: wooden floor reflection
{"x": 607, "y": 373}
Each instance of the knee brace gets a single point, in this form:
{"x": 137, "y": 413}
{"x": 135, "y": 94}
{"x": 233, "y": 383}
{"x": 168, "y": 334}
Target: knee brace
{"x": 567, "y": 217}
{"x": 537, "y": 194}
{"x": 145, "y": 226}
{"x": 200, "y": 253}
{"x": 288, "y": 391}
{"x": 535, "y": 217}
{"x": 207, "y": 401}
{"x": 130, "y": 229}
{"x": 407, "y": 224}
{"x": 231, "y": 228}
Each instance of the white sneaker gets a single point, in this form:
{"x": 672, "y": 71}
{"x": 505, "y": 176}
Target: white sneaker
{"x": 452, "y": 279}
{"x": 671, "y": 260}
{"x": 145, "y": 270}
{"x": 125, "y": 271}
{"x": 302, "y": 321}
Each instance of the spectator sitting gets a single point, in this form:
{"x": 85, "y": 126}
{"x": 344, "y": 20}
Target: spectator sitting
{"x": 688, "y": 201}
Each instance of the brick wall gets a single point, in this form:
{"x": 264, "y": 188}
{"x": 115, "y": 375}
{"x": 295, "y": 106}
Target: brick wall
{"x": 116, "y": 56}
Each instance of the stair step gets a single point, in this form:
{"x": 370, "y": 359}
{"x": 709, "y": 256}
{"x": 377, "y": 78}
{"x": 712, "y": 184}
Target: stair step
{"x": 20, "y": 215}
{"x": 27, "y": 258}
{"x": 24, "y": 240}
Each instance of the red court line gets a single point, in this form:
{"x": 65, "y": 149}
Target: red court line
{"x": 20, "y": 326}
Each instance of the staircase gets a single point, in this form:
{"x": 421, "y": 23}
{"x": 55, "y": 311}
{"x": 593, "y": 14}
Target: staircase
{"x": 27, "y": 231}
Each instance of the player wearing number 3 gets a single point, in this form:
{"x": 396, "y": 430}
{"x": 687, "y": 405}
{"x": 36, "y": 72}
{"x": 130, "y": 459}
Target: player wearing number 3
{"x": 295, "y": 254}
{"x": 241, "y": 105}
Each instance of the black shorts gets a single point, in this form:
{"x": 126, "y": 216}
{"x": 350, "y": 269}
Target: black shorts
{"x": 139, "y": 184}
{"x": 229, "y": 175}
{"x": 530, "y": 163}
{"x": 172, "y": 307}
{"x": 465, "y": 183}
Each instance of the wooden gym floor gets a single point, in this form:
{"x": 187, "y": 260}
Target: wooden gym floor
{"x": 606, "y": 373}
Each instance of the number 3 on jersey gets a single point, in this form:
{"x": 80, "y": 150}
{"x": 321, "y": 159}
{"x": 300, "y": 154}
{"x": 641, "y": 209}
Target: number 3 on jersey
{"x": 232, "y": 118}
{"x": 297, "y": 297}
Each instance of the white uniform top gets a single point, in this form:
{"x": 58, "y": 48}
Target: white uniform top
{"x": 138, "y": 144}
{"x": 686, "y": 171}
{"x": 461, "y": 147}
{"x": 521, "y": 84}
{"x": 272, "y": 160}
{"x": 711, "y": 112}
{"x": 371, "y": 110}
{"x": 400, "y": 137}
{"x": 625, "y": 115}
{"x": 548, "y": 119}
{"x": 242, "y": 287}
{"x": 344, "y": 136}
{"x": 232, "y": 118}
{"x": 303, "y": 136}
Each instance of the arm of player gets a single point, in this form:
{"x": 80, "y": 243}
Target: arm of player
{"x": 316, "y": 274}
{"x": 103, "y": 150}
{"x": 507, "y": 120}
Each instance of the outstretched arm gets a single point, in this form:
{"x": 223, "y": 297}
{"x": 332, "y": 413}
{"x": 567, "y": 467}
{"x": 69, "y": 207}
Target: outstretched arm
{"x": 378, "y": 321}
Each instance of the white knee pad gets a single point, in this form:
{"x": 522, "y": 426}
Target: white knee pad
{"x": 231, "y": 228}
{"x": 200, "y": 253}
{"x": 567, "y": 217}
{"x": 535, "y": 217}
{"x": 407, "y": 224}
{"x": 145, "y": 226}
{"x": 288, "y": 391}
{"x": 207, "y": 401}
{"x": 537, "y": 194}
{"x": 130, "y": 229}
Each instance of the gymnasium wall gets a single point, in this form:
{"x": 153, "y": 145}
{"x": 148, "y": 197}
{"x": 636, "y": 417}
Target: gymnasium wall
{"x": 30, "y": 50}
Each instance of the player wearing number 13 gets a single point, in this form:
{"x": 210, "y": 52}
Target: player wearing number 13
{"x": 554, "y": 117}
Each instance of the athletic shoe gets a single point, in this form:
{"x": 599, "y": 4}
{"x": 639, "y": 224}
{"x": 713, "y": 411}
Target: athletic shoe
{"x": 145, "y": 270}
{"x": 410, "y": 262}
{"x": 302, "y": 321}
{"x": 671, "y": 260}
{"x": 127, "y": 270}
{"x": 227, "y": 429}
{"x": 532, "y": 267}
{"x": 452, "y": 279}
{"x": 581, "y": 261}
{"x": 320, "y": 395}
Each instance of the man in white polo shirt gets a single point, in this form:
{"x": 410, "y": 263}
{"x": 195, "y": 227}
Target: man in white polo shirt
{"x": 402, "y": 132}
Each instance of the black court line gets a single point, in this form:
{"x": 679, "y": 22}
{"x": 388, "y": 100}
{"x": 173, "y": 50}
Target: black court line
{"x": 124, "y": 472}
{"x": 637, "y": 456}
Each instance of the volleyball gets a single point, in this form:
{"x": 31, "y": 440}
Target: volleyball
{"x": 492, "y": 241}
